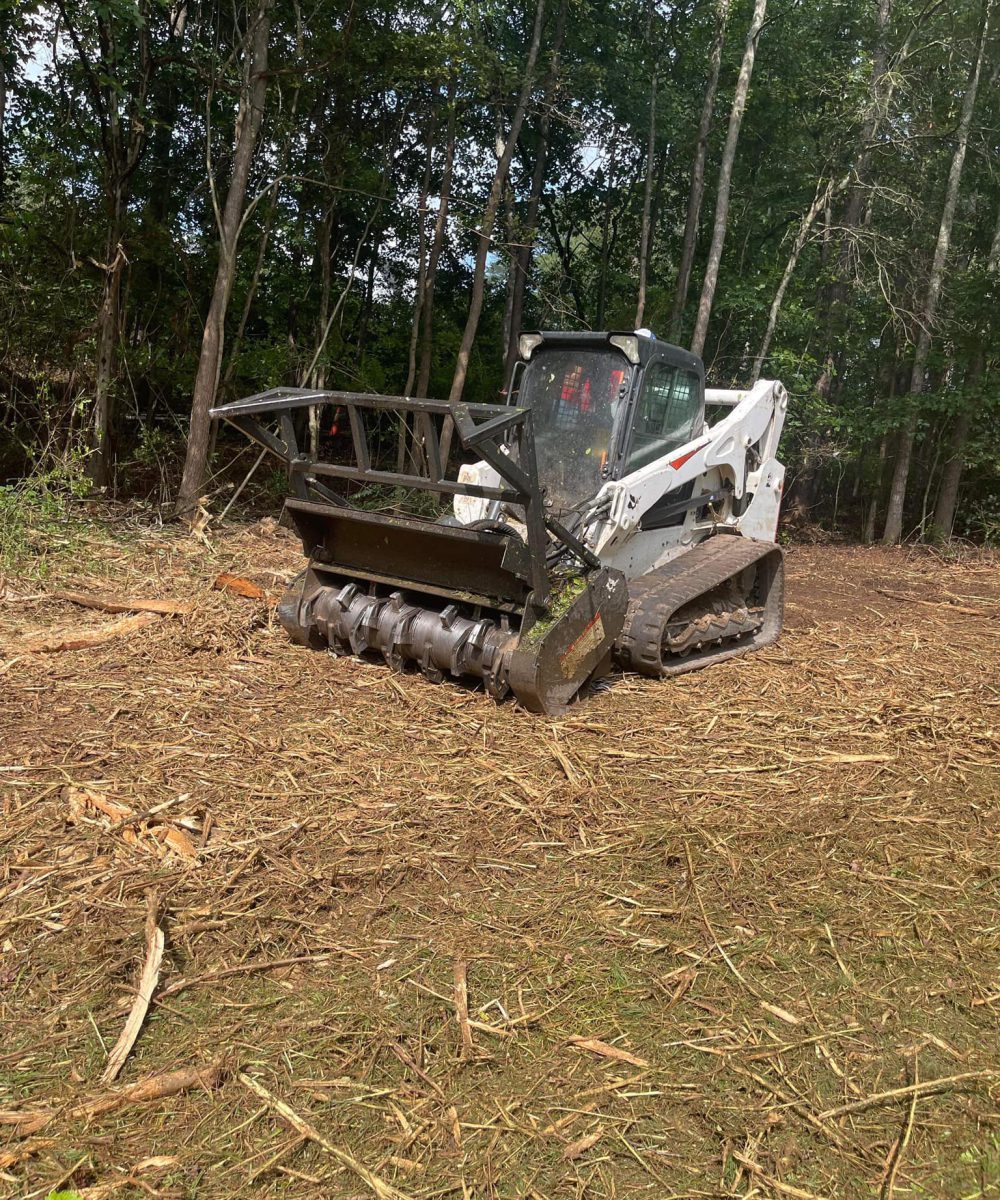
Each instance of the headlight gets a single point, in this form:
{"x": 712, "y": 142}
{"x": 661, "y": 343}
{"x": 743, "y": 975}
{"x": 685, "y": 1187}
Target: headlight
{"x": 628, "y": 344}
{"x": 528, "y": 343}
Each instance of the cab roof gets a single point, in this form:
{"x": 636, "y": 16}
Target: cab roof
{"x": 649, "y": 346}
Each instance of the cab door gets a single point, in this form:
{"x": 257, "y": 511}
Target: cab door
{"x": 668, "y": 412}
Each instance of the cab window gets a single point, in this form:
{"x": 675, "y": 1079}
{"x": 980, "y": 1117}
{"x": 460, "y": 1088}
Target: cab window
{"x": 575, "y": 395}
{"x": 668, "y": 414}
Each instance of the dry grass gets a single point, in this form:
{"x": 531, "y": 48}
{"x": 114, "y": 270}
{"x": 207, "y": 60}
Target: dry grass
{"x": 775, "y": 884}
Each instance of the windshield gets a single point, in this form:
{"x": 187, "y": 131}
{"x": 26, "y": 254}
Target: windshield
{"x": 574, "y": 396}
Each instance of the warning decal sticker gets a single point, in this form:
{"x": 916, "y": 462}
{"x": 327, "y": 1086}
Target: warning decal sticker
{"x": 589, "y": 640}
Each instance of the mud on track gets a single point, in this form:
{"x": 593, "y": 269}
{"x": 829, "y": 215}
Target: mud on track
{"x": 773, "y": 886}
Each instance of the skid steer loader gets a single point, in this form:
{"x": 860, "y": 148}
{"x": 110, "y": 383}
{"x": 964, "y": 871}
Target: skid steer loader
{"x": 613, "y": 512}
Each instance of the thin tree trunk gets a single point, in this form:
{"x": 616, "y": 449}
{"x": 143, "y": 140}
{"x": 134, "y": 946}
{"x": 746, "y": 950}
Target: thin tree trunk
{"x": 697, "y": 191}
{"x": 645, "y": 234}
{"x": 805, "y": 227}
{"x": 868, "y": 536}
{"x": 5, "y": 41}
{"x": 267, "y": 225}
{"x": 523, "y": 253}
{"x": 929, "y": 485}
{"x": 726, "y": 180}
{"x": 951, "y": 475}
{"x": 521, "y": 258}
{"x": 510, "y": 236}
{"x": 565, "y": 251}
{"x": 164, "y": 113}
{"x": 124, "y": 135}
{"x": 893, "y": 529}
{"x": 486, "y": 230}
{"x": 262, "y": 244}
{"x": 108, "y": 317}
{"x": 610, "y": 192}
{"x": 230, "y": 220}
{"x": 368, "y": 304}
{"x": 420, "y": 296}
{"x": 896, "y": 374}
{"x": 880, "y": 90}
{"x": 437, "y": 245}
{"x": 314, "y": 374}
{"x": 994, "y": 259}
{"x": 338, "y": 309}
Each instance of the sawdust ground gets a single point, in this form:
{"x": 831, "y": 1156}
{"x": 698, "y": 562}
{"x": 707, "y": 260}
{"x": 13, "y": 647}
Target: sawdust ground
{"x": 775, "y": 883}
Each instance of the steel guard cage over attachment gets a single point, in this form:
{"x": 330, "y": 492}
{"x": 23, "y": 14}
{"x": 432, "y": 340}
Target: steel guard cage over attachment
{"x": 450, "y": 599}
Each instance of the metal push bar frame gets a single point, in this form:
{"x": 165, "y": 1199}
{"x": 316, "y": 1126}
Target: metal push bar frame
{"x": 482, "y": 427}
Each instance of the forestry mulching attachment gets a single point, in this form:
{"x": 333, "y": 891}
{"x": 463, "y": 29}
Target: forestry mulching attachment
{"x": 603, "y": 516}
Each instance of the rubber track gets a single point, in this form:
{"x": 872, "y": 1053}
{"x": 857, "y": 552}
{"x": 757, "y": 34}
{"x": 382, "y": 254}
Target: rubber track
{"x": 654, "y": 598}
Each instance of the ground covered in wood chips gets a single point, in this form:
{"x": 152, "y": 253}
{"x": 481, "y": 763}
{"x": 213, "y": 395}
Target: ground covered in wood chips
{"x": 704, "y": 926}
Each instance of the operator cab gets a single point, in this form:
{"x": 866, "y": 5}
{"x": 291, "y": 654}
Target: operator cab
{"x": 603, "y": 406}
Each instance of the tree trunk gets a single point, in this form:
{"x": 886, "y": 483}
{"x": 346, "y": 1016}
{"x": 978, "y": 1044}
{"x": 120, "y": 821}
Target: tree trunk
{"x": 565, "y": 251}
{"x": 510, "y": 237}
{"x": 868, "y": 536}
{"x": 267, "y": 225}
{"x": 124, "y": 135}
{"x": 99, "y": 460}
{"x": 951, "y": 476}
{"x": 805, "y": 226}
{"x": 437, "y": 245}
{"x": 485, "y": 231}
{"x": 490, "y": 213}
{"x": 165, "y": 104}
{"x": 368, "y": 304}
{"x": 994, "y": 259}
{"x": 419, "y": 297}
{"x": 521, "y": 258}
{"x": 879, "y": 92}
{"x": 697, "y": 191}
{"x": 645, "y": 234}
{"x": 248, "y": 123}
{"x": 893, "y": 529}
{"x": 4, "y": 43}
{"x": 403, "y": 434}
{"x": 610, "y": 193}
{"x": 523, "y": 253}
{"x": 313, "y": 370}
{"x": 726, "y": 179}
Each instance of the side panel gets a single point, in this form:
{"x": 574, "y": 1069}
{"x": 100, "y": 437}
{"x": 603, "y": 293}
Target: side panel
{"x": 733, "y": 460}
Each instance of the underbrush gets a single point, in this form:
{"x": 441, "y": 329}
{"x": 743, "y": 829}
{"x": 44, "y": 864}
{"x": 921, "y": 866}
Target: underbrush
{"x": 40, "y": 512}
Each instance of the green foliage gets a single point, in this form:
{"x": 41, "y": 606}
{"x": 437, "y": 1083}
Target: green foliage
{"x": 359, "y": 95}
{"x": 37, "y": 509}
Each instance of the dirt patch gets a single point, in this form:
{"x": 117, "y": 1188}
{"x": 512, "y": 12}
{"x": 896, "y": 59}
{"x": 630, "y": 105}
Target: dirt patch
{"x": 774, "y": 883}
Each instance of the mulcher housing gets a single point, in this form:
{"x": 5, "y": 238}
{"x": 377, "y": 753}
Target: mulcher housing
{"x": 596, "y": 524}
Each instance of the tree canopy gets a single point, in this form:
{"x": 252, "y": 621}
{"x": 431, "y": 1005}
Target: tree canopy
{"x": 198, "y": 201}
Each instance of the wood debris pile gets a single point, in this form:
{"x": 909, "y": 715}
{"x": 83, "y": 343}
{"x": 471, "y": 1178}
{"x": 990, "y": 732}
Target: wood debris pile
{"x": 730, "y": 935}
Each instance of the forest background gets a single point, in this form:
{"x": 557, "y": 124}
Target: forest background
{"x": 200, "y": 200}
